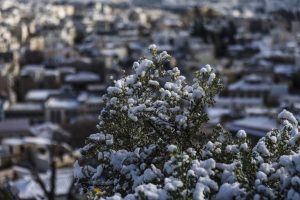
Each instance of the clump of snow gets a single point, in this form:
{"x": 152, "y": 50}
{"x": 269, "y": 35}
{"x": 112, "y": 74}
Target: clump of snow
{"x": 229, "y": 191}
{"x": 286, "y": 115}
{"x": 164, "y": 56}
{"x": 262, "y": 148}
{"x": 232, "y": 148}
{"x": 114, "y": 90}
{"x": 98, "y": 173}
{"x": 154, "y": 83}
{"x": 172, "y": 184}
{"x": 115, "y": 197}
{"x": 241, "y": 134}
{"x": 135, "y": 110}
{"x": 198, "y": 93}
{"x": 208, "y": 68}
{"x": 203, "y": 70}
{"x": 181, "y": 120}
{"x": 142, "y": 67}
{"x": 211, "y": 78}
{"x": 152, "y": 47}
{"x": 172, "y": 148}
{"x": 244, "y": 146}
{"x": 151, "y": 191}
{"x": 77, "y": 170}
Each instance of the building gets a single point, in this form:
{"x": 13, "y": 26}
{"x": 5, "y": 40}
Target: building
{"x": 14, "y": 128}
{"x": 1, "y": 109}
{"x": 50, "y": 131}
{"x": 34, "y": 112}
{"x": 5, "y": 157}
{"x": 255, "y": 86}
{"x": 61, "y": 110}
{"x": 41, "y": 95}
{"x": 239, "y": 102}
{"x": 81, "y": 80}
{"x": 255, "y": 126}
{"x": 285, "y": 5}
{"x": 90, "y": 103}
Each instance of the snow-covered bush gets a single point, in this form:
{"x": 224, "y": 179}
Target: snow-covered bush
{"x": 151, "y": 144}
{"x": 155, "y": 103}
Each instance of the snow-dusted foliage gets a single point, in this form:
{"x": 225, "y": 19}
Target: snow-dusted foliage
{"x": 155, "y": 103}
{"x": 150, "y": 144}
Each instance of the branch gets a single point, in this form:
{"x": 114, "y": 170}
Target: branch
{"x": 53, "y": 174}
{"x": 70, "y": 194}
{"x": 35, "y": 175}
{"x": 153, "y": 126}
{"x": 40, "y": 182}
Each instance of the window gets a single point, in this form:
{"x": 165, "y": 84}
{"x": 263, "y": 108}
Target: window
{"x": 55, "y": 116}
{"x": 41, "y": 151}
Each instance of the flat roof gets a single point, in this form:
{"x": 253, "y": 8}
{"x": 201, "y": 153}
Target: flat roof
{"x": 25, "y": 107}
{"x": 40, "y": 95}
{"x": 65, "y": 103}
{"x": 82, "y": 77}
{"x": 14, "y": 125}
{"x": 254, "y": 125}
{"x": 26, "y": 140}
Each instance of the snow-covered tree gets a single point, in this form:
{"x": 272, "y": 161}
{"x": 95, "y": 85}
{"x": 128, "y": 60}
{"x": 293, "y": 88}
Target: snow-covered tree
{"x": 151, "y": 143}
{"x": 154, "y": 104}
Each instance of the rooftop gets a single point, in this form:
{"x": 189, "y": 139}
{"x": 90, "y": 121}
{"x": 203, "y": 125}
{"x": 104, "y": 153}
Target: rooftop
{"x": 82, "y": 77}
{"x": 40, "y": 95}
{"x": 254, "y": 125}
{"x": 251, "y": 83}
{"x": 238, "y": 100}
{"x": 65, "y": 103}
{"x": 26, "y": 140}
{"x": 14, "y": 125}
{"x": 48, "y": 130}
{"x": 29, "y": 69}
{"x": 25, "y": 107}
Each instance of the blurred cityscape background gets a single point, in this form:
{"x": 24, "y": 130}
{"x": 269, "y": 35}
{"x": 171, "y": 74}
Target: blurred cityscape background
{"x": 57, "y": 58}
